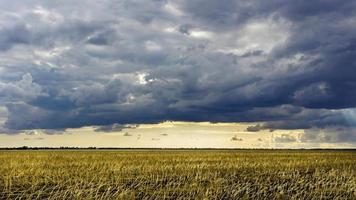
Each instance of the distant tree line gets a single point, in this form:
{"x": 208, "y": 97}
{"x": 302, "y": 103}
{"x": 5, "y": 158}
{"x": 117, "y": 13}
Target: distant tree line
{"x": 127, "y": 148}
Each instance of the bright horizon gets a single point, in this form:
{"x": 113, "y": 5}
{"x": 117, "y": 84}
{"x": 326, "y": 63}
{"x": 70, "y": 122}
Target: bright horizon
{"x": 169, "y": 134}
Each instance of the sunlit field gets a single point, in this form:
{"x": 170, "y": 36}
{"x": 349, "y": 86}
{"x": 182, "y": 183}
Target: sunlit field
{"x": 208, "y": 174}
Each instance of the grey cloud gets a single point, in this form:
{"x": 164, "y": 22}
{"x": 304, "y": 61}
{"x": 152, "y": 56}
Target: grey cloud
{"x": 110, "y": 128}
{"x": 309, "y": 118}
{"x": 254, "y": 128}
{"x": 45, "y": 131}
{"x": 283, "y": 64}
{"x": 228, "y": 13}
{"x": 330, "y": 135}
{"x": 235, "y": 138}
{"x": 22, "y": 90}
{"x": 37, "y": 138}
{"x": 24, "y": 116}
{"x": 127, "y": 134}
{"x": 103, "y": 38}
{"x": 13, "y": 35}
{"x": 313, "y": 94}
{"x": 31, "y": 132}
{"x": 3, "y": 112}
{"x": 285, "y": 138}
{"x": 9, "y": 131}
{"x": 53, "y": 131}
{"x": 115, "y": 127}
{"x": 218, "y": 13}
{"x": 185, "y": 28}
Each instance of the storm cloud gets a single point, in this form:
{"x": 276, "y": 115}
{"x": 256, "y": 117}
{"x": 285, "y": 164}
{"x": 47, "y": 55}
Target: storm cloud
{"x": 115, "y": 127}
{"x": 284, "y": 64}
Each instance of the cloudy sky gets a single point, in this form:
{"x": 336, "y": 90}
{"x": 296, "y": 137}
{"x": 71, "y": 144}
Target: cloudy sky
{"x": 182, "y": 73}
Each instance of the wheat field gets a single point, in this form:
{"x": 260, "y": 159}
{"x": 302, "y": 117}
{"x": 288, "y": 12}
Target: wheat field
{"x": 172, "y": 174}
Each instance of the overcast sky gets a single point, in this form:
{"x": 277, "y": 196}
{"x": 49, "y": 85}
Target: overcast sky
{"x": 278, "y": 66}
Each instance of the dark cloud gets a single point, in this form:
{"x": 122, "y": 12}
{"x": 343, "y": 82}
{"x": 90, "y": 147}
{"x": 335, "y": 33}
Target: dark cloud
{"x": 9, "y": 131}
{"x": 53, "y": 131}
{"x": 254, "y": 128}
{"x": 115, "y": 127}
{"x": 103, "y": 38}
{"x": 283, "y": 64}
{"x": 13, "y": 34}
{"x": 110, "y": 128}
{"x": 235, "y": 138}
{"x": 185, "y": 28}
{"x": 127, "y": 134}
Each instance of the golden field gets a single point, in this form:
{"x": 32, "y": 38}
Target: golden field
{"x": 178, "y": 174}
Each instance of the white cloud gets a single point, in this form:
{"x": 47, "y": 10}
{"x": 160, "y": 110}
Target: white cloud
{"x": 49, "y": 54}
{"x": 22, "y": 90}
{"x": 200, "y": 34}
{"x": 152, "y": 46}
{"x": 48, "y": 16}
{"x": 173, "y": 9}
{"x": 257, "y": 35}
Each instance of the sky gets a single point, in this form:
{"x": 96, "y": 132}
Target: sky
{"x": 183, "y": 73}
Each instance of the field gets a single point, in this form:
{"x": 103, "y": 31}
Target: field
{"x": 173, "y": 174}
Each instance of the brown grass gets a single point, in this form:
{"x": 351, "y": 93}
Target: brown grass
{"x": 177, "y": 175}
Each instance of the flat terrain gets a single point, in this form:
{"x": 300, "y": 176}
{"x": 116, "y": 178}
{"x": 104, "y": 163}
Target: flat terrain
{"x": 173, "y": 174}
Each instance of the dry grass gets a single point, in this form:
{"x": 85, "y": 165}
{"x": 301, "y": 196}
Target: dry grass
{"x": 177, "y": 175}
